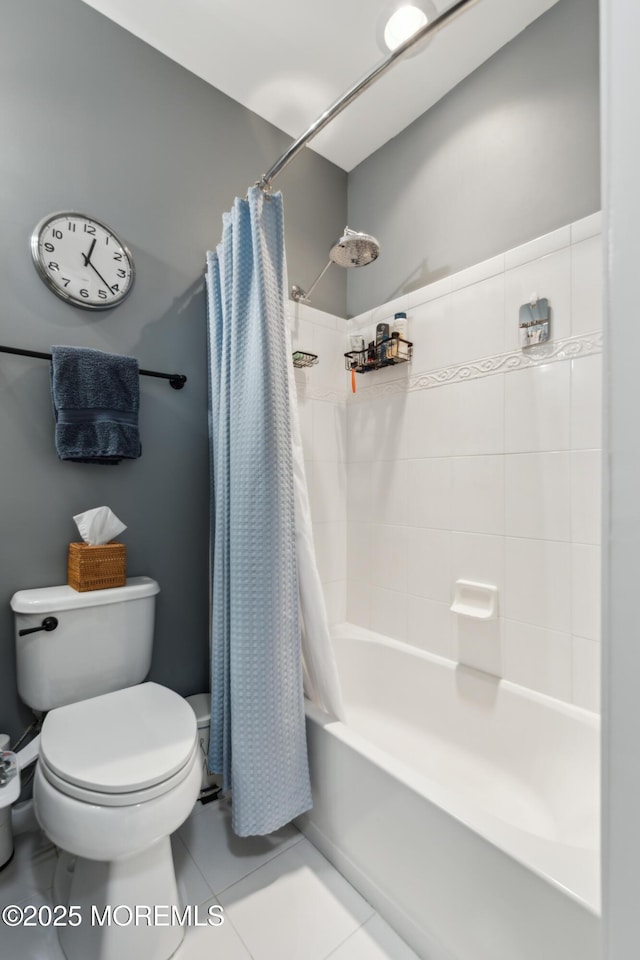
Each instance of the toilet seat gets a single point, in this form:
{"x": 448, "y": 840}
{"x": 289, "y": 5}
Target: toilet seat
{"x": 118, "y": 799}
{"x": 121, "y": 748}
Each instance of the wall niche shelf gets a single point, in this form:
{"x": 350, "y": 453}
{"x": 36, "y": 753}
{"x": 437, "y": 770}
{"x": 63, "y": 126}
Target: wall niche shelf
{"x": 385, "y": 354}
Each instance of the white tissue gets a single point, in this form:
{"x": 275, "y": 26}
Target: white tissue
{"x": 99, "y": 525}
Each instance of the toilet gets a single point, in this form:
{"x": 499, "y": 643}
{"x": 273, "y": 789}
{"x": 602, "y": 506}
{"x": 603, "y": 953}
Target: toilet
{"x": 118, "y": 766}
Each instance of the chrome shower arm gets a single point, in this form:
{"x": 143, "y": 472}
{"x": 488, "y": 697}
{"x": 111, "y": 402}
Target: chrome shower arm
{"x": 303, "y": 296}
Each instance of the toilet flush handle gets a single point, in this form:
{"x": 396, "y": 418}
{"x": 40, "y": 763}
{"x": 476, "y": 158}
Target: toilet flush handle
{"x": 48, "y": 624}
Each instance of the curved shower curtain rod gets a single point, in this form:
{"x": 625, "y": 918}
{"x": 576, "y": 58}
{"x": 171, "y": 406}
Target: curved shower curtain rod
{"x": 354, "y": 92}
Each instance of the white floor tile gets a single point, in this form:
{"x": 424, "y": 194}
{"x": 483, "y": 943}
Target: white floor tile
{"x": 30, "y": 943}
{"x": 30, "y": 873}
{"x": 374, "y": 941}
{"x": 297, "y": 907}
{"x": 207, "y": 942}
{"x": 223, "y": 858}
{"x": 192, "y": 886}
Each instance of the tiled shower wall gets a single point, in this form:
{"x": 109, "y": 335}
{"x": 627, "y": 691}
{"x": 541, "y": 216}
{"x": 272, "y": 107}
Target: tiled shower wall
{"x": 481, "y": 461}
{"x": 323, "y": 421}
{"x": 476, "y": 461}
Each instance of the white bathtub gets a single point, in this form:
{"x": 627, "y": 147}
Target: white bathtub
{"x": 465, "y": 809}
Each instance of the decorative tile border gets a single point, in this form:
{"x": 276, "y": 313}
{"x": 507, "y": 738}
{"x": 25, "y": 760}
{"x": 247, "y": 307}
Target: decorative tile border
{"x": 569, "y": 349}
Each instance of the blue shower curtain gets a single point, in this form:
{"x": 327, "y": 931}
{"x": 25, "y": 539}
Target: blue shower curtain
{"x": 257, "y": 739}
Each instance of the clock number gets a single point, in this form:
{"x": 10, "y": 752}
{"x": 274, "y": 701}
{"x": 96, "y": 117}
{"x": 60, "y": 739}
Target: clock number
{"x": 121, "y": 273}
{"x": 106, "y": 240}
{"x": 53, "y": 266}
{"x": 102, "y": 294}
{"x": 84, "y": 293}
{"x": 49, "y": 247}
{"x": 71, "y": 226}
{"x": 88, "y": 228}
{"x": 117, "y": 256}
{"x": 115, "y": 286}
{"x": 57, "y": 234}
{"x": 65, "y": 281}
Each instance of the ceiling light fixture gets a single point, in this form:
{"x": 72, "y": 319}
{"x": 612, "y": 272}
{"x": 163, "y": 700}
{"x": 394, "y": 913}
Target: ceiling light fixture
{"x": 403, "y": 24}
{"x": 399, "y": 21}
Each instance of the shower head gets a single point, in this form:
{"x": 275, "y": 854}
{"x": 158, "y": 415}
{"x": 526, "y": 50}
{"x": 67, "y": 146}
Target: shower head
{"x": 353, "y": 249}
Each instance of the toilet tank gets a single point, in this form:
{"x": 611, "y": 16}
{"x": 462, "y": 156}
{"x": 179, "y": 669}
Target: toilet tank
{"x": 103, "y": 641}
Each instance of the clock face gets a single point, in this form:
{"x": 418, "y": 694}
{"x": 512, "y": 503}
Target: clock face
{"x": 82, "y": 260}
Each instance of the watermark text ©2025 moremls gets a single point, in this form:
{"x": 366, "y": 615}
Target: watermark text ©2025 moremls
{"x": 121, "y": 915}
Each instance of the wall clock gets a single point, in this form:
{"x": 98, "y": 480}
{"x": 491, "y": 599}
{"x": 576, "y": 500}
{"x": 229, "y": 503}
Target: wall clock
{"x": 82, "y": 260}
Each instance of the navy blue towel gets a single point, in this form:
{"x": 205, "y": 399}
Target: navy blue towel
{"x": 96, "y": 397}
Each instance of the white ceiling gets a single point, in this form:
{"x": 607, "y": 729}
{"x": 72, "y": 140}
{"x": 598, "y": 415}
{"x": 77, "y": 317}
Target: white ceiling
{"x": 288, "y": 60}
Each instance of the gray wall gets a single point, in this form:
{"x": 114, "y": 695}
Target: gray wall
{"x": 511, "y": 153}
{"x": 93, "y": 119}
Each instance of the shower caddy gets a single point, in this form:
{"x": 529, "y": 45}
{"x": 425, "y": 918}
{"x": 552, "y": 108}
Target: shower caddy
{"x": 388, "y": 353}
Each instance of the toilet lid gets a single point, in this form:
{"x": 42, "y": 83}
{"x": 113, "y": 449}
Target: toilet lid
{"x": 120, "y": 742}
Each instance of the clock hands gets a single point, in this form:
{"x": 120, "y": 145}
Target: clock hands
{"x": 87, "y": 256}
{"x": 87, "y": 263}
{"x": 101, "y": 277}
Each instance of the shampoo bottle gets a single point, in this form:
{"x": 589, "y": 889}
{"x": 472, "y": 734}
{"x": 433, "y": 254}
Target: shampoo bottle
{"x": 399, "y": 325}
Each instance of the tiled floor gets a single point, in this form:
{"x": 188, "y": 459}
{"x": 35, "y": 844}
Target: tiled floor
{"x": 282, "y": 900}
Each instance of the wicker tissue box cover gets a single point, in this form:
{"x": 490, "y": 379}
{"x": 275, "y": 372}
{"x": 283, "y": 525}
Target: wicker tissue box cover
{"x": 96, "y": 568}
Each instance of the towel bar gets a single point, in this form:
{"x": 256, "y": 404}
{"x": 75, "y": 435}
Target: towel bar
{"x": 177, "y": 380}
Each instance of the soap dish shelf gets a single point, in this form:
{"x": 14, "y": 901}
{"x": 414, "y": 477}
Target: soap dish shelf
{"x": 303, "y": 359}
{"x": 390, "y": 352}
{"x": 477, "y": 600}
